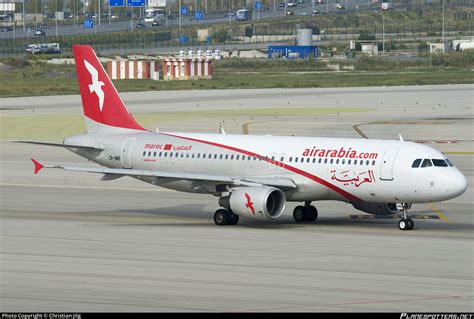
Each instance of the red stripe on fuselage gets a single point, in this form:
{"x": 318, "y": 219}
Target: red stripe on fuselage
{"x": 293, "y": 169}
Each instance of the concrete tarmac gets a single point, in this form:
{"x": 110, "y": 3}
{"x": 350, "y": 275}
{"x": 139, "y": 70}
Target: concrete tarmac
{"x": 69, "y": 242}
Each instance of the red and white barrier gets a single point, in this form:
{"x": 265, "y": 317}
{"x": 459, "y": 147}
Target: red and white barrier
{"x": 187, "y": 68}
{"x": 132, "y": 70}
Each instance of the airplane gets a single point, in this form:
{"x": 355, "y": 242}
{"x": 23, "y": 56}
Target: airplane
{"x": 254, "y": 176}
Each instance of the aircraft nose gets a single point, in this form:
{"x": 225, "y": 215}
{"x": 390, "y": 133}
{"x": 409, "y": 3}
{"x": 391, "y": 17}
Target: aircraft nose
{"x": 458, "y": 184}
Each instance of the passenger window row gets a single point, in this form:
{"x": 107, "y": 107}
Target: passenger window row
{"x": 431, "y": 162}
{"x": 259, "y": 158}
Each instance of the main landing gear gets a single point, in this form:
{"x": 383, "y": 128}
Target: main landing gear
{"x": 224, "y": 217}
{"x": 406, "y": 223}
{"x": 306, "y": 213}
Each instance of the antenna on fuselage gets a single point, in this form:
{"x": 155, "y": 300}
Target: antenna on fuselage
{"x": 221, "y": 129}
{"x": 401, "y": 137}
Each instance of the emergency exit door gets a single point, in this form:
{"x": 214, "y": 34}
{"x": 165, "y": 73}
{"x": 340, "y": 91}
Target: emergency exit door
{"x": 388, "y": 160}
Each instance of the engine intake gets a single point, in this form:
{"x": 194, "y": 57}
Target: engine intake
{"x": 261, "y": 203}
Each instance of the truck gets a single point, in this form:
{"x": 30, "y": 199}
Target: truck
{"x": 465, "y": 46}
{"x": 45, "y": 48}
{"x": 243, "y": 15}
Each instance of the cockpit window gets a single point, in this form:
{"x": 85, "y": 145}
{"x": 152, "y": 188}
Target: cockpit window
{"x": 449, "y": 162}
{"x": 426, "y": 163}
{"x": 416, "y": 163}
{"x": 439, "y": 162}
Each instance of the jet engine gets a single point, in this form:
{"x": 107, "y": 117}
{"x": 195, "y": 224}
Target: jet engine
{"x": 260, "y": 203}
{"x": 377, "y": 208}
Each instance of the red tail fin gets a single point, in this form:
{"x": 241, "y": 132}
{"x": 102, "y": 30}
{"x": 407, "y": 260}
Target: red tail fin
{"x": 101, "y": 101}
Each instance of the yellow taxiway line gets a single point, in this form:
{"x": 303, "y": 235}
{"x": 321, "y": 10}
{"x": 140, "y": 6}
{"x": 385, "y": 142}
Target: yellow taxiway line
{"x": 440, "y": 214}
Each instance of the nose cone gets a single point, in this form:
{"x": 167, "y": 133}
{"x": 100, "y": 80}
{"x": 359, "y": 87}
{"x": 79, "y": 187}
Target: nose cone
{"x": 456, "y": 185}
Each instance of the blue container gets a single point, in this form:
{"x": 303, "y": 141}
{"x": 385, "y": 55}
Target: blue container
{"x": 183, "y": 39}
{"x": 292, "y": 52}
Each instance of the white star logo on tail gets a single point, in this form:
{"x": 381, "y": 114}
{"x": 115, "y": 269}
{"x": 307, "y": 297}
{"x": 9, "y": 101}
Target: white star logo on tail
{"x": 96, "y": 85}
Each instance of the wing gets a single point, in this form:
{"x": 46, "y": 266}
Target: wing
{"x": 92, "y": 71}
{"x": 213, "y": 180}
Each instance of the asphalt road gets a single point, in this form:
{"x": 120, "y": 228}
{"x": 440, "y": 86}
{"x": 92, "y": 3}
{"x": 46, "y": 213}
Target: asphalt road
{"x": 273, "y": 11}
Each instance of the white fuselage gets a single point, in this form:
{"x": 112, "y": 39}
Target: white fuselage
{"x": 378, "y": 171}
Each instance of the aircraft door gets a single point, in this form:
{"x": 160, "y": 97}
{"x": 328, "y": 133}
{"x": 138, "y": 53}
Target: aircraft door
{"x": 127, "y": 152}
{"x": 388, "y": 160}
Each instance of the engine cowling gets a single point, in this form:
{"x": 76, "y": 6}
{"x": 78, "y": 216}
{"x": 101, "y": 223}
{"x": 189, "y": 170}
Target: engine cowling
{"x": 377, "y": 208}
{"x": 261, "y": 203}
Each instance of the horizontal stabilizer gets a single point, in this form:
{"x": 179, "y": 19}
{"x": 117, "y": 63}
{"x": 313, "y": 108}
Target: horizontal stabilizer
{"x": 38, "y": 165}
{"x": 90, "y": 148}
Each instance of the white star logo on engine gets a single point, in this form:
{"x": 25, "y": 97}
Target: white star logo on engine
{"x": 96, "y": 85}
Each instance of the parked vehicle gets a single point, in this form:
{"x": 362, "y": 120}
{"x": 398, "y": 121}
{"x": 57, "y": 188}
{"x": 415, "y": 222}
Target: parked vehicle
{"x": 46, "y": 48}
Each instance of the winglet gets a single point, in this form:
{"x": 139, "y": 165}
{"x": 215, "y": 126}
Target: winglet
{"x": 38, "y": 165}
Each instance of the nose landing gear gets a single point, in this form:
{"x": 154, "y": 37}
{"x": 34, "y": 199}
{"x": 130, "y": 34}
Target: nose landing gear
{"x": 406, "y": 223}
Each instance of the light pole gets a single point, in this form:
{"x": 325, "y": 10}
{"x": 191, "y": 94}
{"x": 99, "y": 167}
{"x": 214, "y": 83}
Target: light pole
{"x": 74, "y": 13}
{"x": 383, "y": 30}
{"x": 36, "y": 13}
{"x": 442, "y": 32}
{"x": 179, "y": 20}
{"x": 228, "y": 14}
{"x": 56, "y": 18}
{"x": 383, "y": 33}
{"x": 24, "y": 27}
{"x": 98, "y": 1}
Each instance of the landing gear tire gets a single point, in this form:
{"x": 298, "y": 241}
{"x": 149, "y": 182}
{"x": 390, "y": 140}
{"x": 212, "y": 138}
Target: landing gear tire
{"x": 312, "y": 214}
{"x": 402, "y": 224}
{"x": 300, "y": 214}
{"x": 221, "y": 217}
{"x": 406, "y": 224}
{"x": 234, "y": 219}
